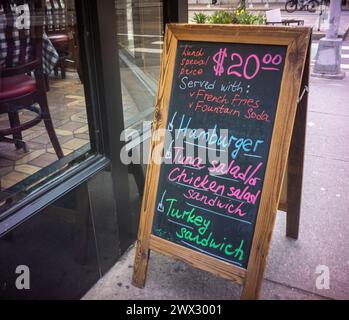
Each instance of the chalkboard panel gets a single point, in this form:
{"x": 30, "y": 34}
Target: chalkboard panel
{"x": 224, "y": 97}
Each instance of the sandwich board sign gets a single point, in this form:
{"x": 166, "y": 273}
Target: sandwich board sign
{"x": 225, "y": 111}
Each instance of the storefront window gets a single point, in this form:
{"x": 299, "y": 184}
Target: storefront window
{"x": 140, "y": 38}
{"x": 43, "y": 119}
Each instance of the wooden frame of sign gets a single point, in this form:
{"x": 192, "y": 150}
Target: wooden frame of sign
{"x": 297, "y": 41}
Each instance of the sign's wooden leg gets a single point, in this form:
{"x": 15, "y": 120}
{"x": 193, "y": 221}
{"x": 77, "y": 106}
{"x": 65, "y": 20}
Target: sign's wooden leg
{"x": 253, "y": 281}
{"x": 249, "y": 294}
{"x": 293, "y": 205}
{"x": 295, "y": 174}
{"x": 292, "y": 222}
{"x": 296, "y": 159}
{"x": 140, "y": 265}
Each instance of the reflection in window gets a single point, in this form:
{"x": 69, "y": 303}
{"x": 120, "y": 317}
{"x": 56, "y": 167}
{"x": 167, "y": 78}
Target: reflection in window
{"x": 43, "y": 122}
{"x": 140, "y": 38}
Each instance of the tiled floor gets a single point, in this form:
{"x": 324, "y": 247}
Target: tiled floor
{"x": 67, "y": 106}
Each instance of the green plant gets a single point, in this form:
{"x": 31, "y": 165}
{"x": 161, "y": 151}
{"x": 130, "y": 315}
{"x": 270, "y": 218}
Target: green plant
{"x": 241, "y": 16}
{"x": 223, "y": 17}
{"x": 200, "y": 17}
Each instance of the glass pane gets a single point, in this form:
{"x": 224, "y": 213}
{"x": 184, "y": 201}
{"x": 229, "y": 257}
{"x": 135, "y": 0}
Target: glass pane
{"x": 67, "y": 246}
{"x": 140, "y": 38}
{"x": 43, "y": 120}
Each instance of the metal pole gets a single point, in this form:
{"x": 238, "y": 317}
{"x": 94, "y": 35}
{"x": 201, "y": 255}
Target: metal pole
{"x": 328, "y": 56}
{"x": 334, "y": 18}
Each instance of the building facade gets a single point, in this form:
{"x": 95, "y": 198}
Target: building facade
{"x": 68, "y": 205}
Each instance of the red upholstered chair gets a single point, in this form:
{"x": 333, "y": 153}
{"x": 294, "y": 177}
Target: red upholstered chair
{"x": 22, "y": 81}
{"x": 57, "y": 31}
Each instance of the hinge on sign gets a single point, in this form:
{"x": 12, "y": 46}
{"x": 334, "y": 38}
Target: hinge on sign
{"x": 305, "y": 89}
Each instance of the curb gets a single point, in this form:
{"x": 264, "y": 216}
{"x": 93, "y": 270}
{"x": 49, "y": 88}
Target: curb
{"x": 319, "y": 35}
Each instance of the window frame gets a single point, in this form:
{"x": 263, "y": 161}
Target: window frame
{"x": 104, "y": 113}
{"x": 105, "y": 120}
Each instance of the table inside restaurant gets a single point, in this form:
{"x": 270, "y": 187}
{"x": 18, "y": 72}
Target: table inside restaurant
{"x": 50, "y": 55}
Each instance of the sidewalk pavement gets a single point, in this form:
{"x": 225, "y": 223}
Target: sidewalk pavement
{"x": 293, "y": 266}
{"x": 310, "y": 19}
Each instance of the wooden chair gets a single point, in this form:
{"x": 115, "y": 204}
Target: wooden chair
{"x": 57, "y": 30}
{"x": 18, "y": 88}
